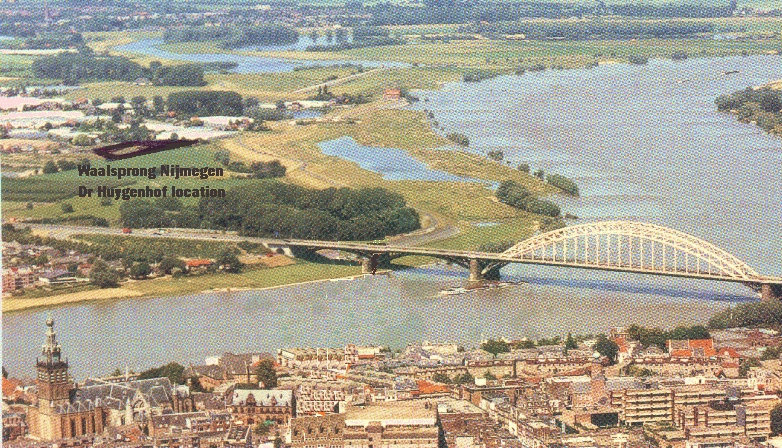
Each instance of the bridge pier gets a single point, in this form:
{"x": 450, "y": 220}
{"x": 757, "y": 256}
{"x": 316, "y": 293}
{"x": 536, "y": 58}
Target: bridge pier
{"x": 770, "y": 292}
{"x": 476, "y": 274}
{"x": 366, "y": 266}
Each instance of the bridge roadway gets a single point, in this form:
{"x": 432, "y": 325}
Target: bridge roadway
{"x": 479, "y": 263}
{"x": 456, "y": 255}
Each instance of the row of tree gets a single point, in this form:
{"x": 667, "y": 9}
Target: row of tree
{"x": 213, "y": 102}
{"x": 516, "y": 195}
{"x": 233, "y": 36}
{"x": 463, "y": 11}
{"x": 85, "y": 66}
{"x": 593, "y": 29}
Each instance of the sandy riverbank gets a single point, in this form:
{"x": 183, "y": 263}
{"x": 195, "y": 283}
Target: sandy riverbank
{"x": 128, "y": 290}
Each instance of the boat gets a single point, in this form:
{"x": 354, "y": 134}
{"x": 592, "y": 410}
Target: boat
{"x": 730, "y": 72}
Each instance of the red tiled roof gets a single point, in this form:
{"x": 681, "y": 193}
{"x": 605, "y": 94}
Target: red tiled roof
{"x": 198, "y": 263}
{"x": 701, "y": 343}
{"x": 9, "y": 387}
{"x": 425, "y": 387}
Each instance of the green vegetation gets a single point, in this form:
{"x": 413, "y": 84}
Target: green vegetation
{"x": 103, "y": 276}
{"x": 276, "y": 209}
{"x": 755, "y": 314}
{"x": 479, "y": 75}
{"x": 656, "y": 336}
{"x": 265, "y": 374}
{"x": 607, "y": 348}
{"x": 86, "y": 66}
{"x": 459, "y": 139}
{"x": 762, "y": 107}
{"x": 196, "y": 102}
{"x": 594, "y": 29}
{"x": 173, "y": 371}
{"x": 515, "y": 195}
{"x": 495, "y": 347}
{"x": 234, "y": 36}
{"x": 563, "y": 183}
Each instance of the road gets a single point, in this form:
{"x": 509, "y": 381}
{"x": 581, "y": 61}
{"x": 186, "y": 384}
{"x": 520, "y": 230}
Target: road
{"x": 364, "y": 248}
{"x": 338, "y": 81}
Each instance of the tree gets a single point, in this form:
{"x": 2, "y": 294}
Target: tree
{"x": 526, "y": 344}
{"x": 524, "y": 167}
{"x": 776, "y": 420}
{"x": 66, "y": 207}
{"x": 173, "y": 371}
{"x": 50, "y": 168}
{"x": 440, "y": 377}
{"x": 82, "y": 140}
{"x": 459, "y": 139}
{"x": 103, "y": 275}
{"x": 489, "y": 376}
{"x": 106, "y": 202}
{"x": 607, "y": 348}
{"x": 223, "y": 157}
{"x": 227, "y": 261}
{"x": 140, "y": 270}
{"x": 464, "y": 379}
{"x": 495, "y": 346}
{"x": 168, "y": 264}
{"x": 266, "y": 374}
{"x": 570, "y": 343}
{"x": 496, "y": 155}
{"x": 139, "y": 104}
{"x": 540, "y": 174}
{"x": 158, "y": 104}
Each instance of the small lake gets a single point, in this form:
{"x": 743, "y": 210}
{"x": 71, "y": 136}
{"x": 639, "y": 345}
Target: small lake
{"x": 245, "y": 64}
{"x": 392, "y": 163}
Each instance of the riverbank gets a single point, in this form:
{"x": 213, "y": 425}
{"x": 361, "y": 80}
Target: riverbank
{"x": 300, "y": 273}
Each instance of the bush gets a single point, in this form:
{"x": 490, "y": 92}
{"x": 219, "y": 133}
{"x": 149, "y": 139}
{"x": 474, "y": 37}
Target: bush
{"x": 82, "y": 140}
{"x": 637, "y": 59}
{"x": 679, "y": 55}
{"x": 459, "y": 139}
{"x": 563, "y": 183}
{"x": 50, "y": 168}
{"x": 66, "y": 207}
{"x": 103, "y": 275}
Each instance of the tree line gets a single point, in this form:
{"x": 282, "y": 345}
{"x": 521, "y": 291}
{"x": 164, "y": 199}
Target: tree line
{"x": 283, "y": 210}
{"x": 761, "y": 106}
{"x": 85, "y": 66}
{"x": 232, "y": 37}
{"x": 602, "y": 29}
{"x": 463, "y": 11}
{"x": 516, "y": 195}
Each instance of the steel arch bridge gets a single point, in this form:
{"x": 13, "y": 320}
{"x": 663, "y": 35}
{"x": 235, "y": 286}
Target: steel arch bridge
{"x": 633, "y": 246}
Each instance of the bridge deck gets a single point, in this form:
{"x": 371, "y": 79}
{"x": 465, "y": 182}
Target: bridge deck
{"x": 498, "y": 257}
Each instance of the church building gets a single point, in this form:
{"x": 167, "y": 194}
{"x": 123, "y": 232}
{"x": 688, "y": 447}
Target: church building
{"x": 57, "y": 414}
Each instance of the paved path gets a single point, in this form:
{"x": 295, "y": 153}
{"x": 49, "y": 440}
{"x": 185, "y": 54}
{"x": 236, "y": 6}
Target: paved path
{"x": 338, "y": 81}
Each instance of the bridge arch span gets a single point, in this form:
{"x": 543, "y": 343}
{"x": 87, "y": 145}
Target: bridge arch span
{"x": 633, "y": 245}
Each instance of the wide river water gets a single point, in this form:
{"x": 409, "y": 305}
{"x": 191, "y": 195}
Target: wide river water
{"x": 643, "y": 142}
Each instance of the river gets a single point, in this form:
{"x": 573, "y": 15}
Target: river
{"x": 643, "y": 142}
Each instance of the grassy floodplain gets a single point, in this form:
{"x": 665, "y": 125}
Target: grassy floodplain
{"x": 378, "y": 124}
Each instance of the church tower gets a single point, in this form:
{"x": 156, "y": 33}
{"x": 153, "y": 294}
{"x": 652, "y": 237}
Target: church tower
{"x": 54, "y": 383}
